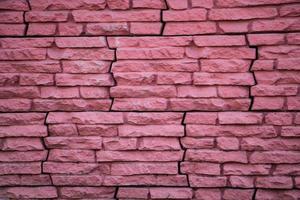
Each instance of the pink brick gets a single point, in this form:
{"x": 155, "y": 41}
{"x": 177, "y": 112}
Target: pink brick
{"x": 233, "y": 91}
{"x": 153, "y": 118}
{"x": 84, "y": 80}
{"x": 97, "y": 130}
{"x": 69, "y": 28}
{"x": 143, "y": 91}
{"x": 240, "y": 118}
{"x": 85, "y": 67}
{"x": 206, "y": 181}
{"x": 289, "y": 10}
{"x": 263, "y": 65}
{"x": 144, "y": 28}
{"x": 87, "y": 192}
{"x": 200, "y": 168}
{"x": 202, "y": 3}
{"x": 59, "y": 155}
{"x": 219, "y": 40}
{"x": 268, "y": 103}
{"x": 158, "y": 143}
{"x": 15, "y": 105}
{"x": 120, "y": 143}
{"x": 265, "y": 39}
{"x": 94, "y": 92}
{"x": 233, "y": 193}
{"x": 156, "y": 4}
{"x": 20, "y": 168}
{"x": 196, "y": 92}
{"x": 47, "y": 16}
{"x": 41, "y": 29}
{"x": 208, "y": 194}
{"x": 22, "y": 156}
{"x": 279, "y": 118}
{"x": 61, "y": 92}
{"x": 14, "y": 5}
{"x": 27, "y": 192}
{"x": 245, "y": 3}
{"x": 118, "y": 4}
{"x": 290, "y": 131}
{"x": 131, "y": 192}
{"x": 11, "y": 17}
{"x": 177, "y": 4}
{"x": 154, "y": 53}
{"x": 288, "y": 64}
{"x": 189, "y": 28}
{"x": 274, "y": 182}
{"x": 279, "y": 24}
{"x": 244, "y": 169}
{"x": 174, "y": 78}
{"x": 84, "y": 54}
{"x": 151, "y": 130}
{"x": 275, "y": 157}
{"x": 22, "y": 118}
{"x": 196, "y": 14}
{"x": 234, "y": 26}
{"x": 82, "y": 42}
{"x": 115, "y": 28}
{"x": 74, "y": 142}
{"x": 221, "y": 52}
{"x": 21, "y": 144}
{"x": 140, "y": 104}
{"x": 201, "y": 118}
{"x": 170, "y": 193}
{"x": 23, "y": 130}
{"x": 12, "y": 29}
{"x": 198, "y": 143}
{"x": 242, "y": 181}
{"x": 277, "y": 194}
{"x": 227, "y": 143}
{"x": 68, "y": 168}
{"x": 62, "y": 130}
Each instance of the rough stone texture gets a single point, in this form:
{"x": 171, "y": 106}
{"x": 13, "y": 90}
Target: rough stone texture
{"x": 150, "y": 99}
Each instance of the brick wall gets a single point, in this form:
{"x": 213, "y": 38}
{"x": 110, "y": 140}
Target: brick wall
{"x": 150, "y": 99}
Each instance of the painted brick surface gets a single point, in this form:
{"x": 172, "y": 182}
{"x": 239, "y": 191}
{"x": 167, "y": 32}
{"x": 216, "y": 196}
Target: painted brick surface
{"x": 150, "y": 99}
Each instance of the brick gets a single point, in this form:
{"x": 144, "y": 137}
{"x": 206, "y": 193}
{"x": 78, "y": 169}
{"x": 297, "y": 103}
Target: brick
{"x": 265, "y": 39}
{"x": 293, "y": 103}
{"x": 287, "y": 169}
{"x": 30, "y": 66}
{"x": 289, "y": 10}
{"x": 219, "y": 40}
{"x": 20, "y": 168}
{"x": 155, "y": 156}
{"x": 231, "y": 130}
{"x": 121, "y": 28}
{"x": 220, "y": 52}
{"x": 29, "y": 193}
{"x": 277, "y": 194}
{"x": 233, "y": 193}
{"x": 210, "y": 104}
{"x": 153, "y": 118}
{"x": 22, "y": 118}
{"x": 41, "y": 29}
{"x": 291, "y": 24}
{"x": 70, "y": 104}
{"x": 150, "y": 130}
{"x": 278, "y": 90}
{"x": 234, "y": 26}
{"x": 208, "y": 193}
{"x": 174, "y": 78}
{"x": 233, "y": 91}
{"x": 196, "y": 14}
{"x": 21, "y": 144}
{"x": 137, "y": 78}
{"x": 14, "y": 5}
{"x": 203, "y": 181}
{"x": 143, "y": 91}
{"x": 46, "y": 16}
{"x": 158, "y": 143}
{"x": 59, "y": 155}
{"x": 66, "y": 5}
{"x": 68, "y": 168}
{"x": 116, "y": 144}
{"x": 145, "y": 41}
{"x": 62, "y": 130}
{"x": 156, "y": 4}
{"x": 116, "y": 16}
{"x": 147, "y": 53}
{"x": 242, "y": 13}
{"x": 197, "y": 143}
{"x": 94, "y": 92}
{"x": 279, "y": 118}
{"x": 293, "y": 38}
{"x": 202, "y": 3}
{"x": 290, "y": 131}
{"x": 74, "y": 142}
{"x": 12, "y": 29}
{"x": 271, "y": 144}
{"x": 171, "y": 193}
{"x": 268, "y": 103}
{"x": 15, "y": 105}
{"x": 23, "y": 131}
{"x": 83, "y": 80}
{"x": 36, "y": 79}
{"x": 202, "y": 78}
{"x": 134, "y": 168}
{"x": 25, "y": 180}
{"x": 70, "y": 29}
{"x": 82, "y": 42}
{"x": 242, "y": 181}
{"x": 83, "y": 54}
{"x": 59, "y": 92}
{"x": 177, "y": 4}
{"x": 201, "y": 118}
{"x": 77, "y": 180}
{"x": 189, "y": 28}
{"x": 274, "y": 182}
{"x": 99, "y": 130}
{"x": 263, "y": 65}
{"x": 144, "y": 28}
{"x": 245, "y": 3}
{"x": 84, "y": 118}
{"x": 216, "y": 156}
{"x": 224, "y": 65}
{"x": 19, "y": 156}
{"x": 275, "y": 157}
{"x": 140, "y": 104}
{"x": 11, "y": 17}
{"x": 227, "y": 143}
{"x": 200, "y": 168}
{"x": 23, "y": 54}
{"x": 244, "y": 169}
{"x": 133, "y": 192}
{"x": 118, "y": 5}
{"x": 19, "y": 92}
{"x": 240, "y": 118}
{"x": 87, "y": 192}
{"x": 196, "y": 92}
{"x": 288, "y": 64}
{"x": 282, "y": 77}
{"x": 278, "y": 52}
{"x": 85, "y": 66}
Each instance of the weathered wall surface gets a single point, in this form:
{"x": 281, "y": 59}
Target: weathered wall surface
{"x": 150, "y": 99}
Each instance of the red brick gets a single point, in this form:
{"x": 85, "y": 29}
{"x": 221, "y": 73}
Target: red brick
{"x": 134, "y": 168}
{"x": 155, "y": 156}
{"x": 189, "y": 28}
{"x": 82, "y": 42}
{"x": 144, "y": 28}
{"x": 242, "y": 13}
{"x": 73, "y": 142}
{"x": 87, "y": 192}
{"x": 231, "y": 130}
{"x": 240, "y": 118}
{"x": 156, "y": 4}
{"x": 116, "y": 16}
{"x": 46, "y": 16}
{"x": 196, "y": 14}
{"x": 151, "y": 130}
{"x": 171, "y": 193}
